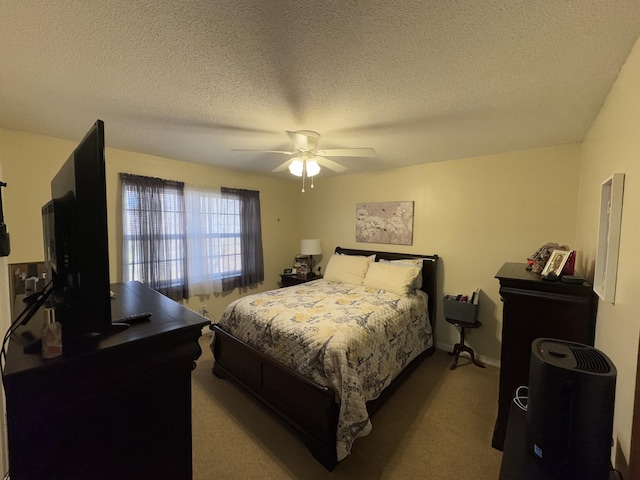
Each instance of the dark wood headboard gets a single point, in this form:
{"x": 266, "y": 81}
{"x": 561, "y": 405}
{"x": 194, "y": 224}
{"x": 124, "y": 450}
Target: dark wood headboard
{"x": 429, "y": 271}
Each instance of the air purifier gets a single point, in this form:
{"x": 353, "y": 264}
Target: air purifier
{"x": 570, "y": 409}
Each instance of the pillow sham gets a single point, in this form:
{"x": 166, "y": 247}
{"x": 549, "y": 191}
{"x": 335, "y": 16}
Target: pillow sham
{"x": 398, "y": 279}
{"x": 409, "y": 262}
{"x": 347, "y": 268}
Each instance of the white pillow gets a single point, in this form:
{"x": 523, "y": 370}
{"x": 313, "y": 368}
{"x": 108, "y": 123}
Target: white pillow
{"x": 347, "y": 268}
{"x": 409, "y": 262}
{"x": 398, "y": 279}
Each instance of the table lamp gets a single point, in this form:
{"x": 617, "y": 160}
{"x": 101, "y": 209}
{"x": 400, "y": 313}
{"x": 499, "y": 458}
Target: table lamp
{"x": 310, "y": 247}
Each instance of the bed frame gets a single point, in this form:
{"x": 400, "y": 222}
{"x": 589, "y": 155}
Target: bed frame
{"x": 308, "y": 408}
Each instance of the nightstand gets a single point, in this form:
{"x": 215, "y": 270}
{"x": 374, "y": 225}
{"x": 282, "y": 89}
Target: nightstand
{"x": 289, "y": 280}
{"x": 463, "y": 315}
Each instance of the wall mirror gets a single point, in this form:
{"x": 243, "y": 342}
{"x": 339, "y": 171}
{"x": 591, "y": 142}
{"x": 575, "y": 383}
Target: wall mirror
{"x": 604, "y": 282}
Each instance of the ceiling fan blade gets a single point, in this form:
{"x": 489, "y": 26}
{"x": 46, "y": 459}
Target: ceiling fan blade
{"x": 348, "y": 152}
{"x": 282, "y": 167}
{"x": 330, "y": 164}
{"x": 262, "y": 151}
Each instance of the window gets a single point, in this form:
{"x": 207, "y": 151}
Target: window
{"x": 154, "y": 237}
{"x": 201, "y": 239}
{"x": 213, "y": 238}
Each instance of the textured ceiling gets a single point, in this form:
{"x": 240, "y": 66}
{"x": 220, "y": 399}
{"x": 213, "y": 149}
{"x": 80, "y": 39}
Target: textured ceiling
{"x": 419, "y": 81}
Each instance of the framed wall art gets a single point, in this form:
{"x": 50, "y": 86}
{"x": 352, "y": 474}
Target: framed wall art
{"x": 385, "y": 222}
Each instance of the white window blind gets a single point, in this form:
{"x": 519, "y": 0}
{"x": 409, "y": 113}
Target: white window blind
{"x": 213, "y": 238}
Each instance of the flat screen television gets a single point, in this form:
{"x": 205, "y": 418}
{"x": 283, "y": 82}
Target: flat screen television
{"x": 76, "y": 241}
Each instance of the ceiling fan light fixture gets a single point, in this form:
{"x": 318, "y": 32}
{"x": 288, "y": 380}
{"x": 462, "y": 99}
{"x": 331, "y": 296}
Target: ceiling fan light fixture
{"x": 312, "y": 168}
{"x": 306, "y": 159}
{"x": 296, "y": 167}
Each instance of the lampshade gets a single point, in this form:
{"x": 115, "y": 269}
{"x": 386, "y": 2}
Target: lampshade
{"x": 299, "y": 165}
{"x": 310, "y": 247}
{"x": 312, "y": 168}
{"x": 295, "y": 167}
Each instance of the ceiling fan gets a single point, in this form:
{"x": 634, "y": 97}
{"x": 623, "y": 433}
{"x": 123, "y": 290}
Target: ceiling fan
{"x": 307, "y": 158}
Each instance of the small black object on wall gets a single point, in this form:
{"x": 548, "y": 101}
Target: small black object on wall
{"x": 5, "y": 245}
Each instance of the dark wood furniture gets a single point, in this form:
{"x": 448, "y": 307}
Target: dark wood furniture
{"x": 308, "y": 408}
{"x": 535, "y": 308}
{"x": 462, "y": 315}
{"x": 115, "y": 405}
{"x": 290, "y": 280}
{"x": 458, "y": 348}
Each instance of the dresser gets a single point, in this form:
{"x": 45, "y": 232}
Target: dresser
{"x": 116, "y": 405}
{"x": 535, "y": 308}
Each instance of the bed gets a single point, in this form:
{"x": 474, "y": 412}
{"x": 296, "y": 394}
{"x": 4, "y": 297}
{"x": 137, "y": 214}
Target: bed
{"x": 327, "y": 365}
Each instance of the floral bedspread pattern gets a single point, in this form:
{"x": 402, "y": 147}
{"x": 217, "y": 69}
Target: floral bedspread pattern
{"x": 350, "y": 338}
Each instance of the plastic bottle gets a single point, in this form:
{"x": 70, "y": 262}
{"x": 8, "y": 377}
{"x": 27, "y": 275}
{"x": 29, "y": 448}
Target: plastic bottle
{"x": 51, "y": 335}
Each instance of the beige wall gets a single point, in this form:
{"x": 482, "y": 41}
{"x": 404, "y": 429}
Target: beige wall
{"x": 475, "y": 213}
{"x": 613, "y": 146}
{"x": 30, "y": 161}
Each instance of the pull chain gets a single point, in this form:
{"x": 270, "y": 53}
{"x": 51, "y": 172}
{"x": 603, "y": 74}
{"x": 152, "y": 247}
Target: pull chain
{"x": 304, "y": 173}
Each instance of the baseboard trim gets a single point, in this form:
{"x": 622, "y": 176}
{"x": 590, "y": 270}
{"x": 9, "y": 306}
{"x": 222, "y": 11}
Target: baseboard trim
{"x": 482, "y": 358}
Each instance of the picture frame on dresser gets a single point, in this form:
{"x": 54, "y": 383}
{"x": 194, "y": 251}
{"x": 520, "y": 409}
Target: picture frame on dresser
{"x": 556, "y": 262}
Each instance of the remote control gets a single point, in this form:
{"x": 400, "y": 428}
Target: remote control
{"x": 135, "y": 318}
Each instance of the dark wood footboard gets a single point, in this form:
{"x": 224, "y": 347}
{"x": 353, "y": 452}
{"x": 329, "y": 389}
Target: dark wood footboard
{"x": 310, "y": 409}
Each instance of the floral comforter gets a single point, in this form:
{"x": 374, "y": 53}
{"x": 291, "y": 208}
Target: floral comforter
{"x": 350, "y": 338}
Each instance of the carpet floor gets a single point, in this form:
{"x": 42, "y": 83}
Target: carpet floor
{"x": 438, "y": 425}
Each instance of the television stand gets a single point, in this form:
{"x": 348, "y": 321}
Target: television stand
{"x": 69, "y": 416}
{"x": 34, "y": 345}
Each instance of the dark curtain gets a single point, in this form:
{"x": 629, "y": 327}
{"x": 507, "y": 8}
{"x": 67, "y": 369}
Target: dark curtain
{"x": 154, "y": 237}
{"x": 250, "y": 239}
